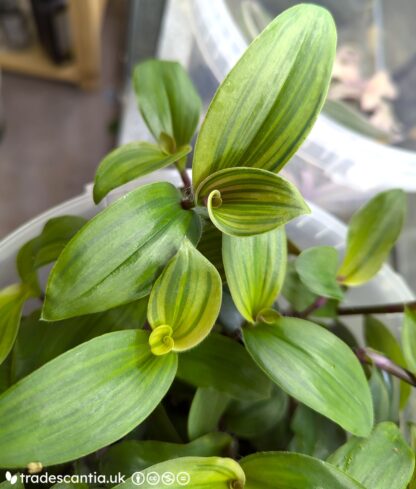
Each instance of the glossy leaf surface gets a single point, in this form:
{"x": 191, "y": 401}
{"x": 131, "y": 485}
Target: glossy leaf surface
{"x": 248, "y": 201}
{"x": 263, "y": 110}
{"x": 315, "y": 367}
{"x": 117, "y": 256}
{"x": 82, "y": 400}
{"x": 186, "y": 297}
{"x": 168, "y": 102}
{"x": 255, "y": 268}
{"x": 131, "y": 161}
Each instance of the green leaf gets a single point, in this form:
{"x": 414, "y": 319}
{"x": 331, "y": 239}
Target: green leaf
{"x": 409, "y": 338}
{"x": 131, "y": 456}
{"x": 46, "y": 248}
{"x": 12, "y": 299}
{"x": 380, "y": 393}
{"x": 372, "y": 232}
{"x": 207, "y": 408}
{"x": 255, "y": 268}
{"x": 295, "y": 291}
{"x": 191, "y": 311}
{"x": 317, "y": 268}
{"x": 248, "y": 201}
{"x": 212, "y": 472}
{"x": 380, "y": 338}
{"x": 268, "y": 103}
{"x": 225, "y": 365}
{"x": 82, "y": 400}
{"x": 210, "y": 246}
{"x": 168, "y": 102}
{"x": 314, "y": 434}
{"x": 16, "y": 484}
{"x": 293, "y": 471}
{"x": 131, "y": 161}
{"x": 316, "y": 368}
{"x": 118, "y": 255}
{"x": 382, "y": 461}
{"x": 250, "y": 419}
{"x": 55, "y": 338}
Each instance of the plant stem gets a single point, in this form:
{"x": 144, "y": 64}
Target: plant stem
{"x": 317, "y": 304}
{"x": 185, "y": 178}
{"x": 371, "y": 357}
{"x": 377, "y": 309}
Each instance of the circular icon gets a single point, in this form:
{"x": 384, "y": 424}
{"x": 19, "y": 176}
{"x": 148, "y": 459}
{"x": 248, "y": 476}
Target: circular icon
{"x": 137, "y": 478}
{"x": 168, "y": 478}
{"x": 153, "y": 478}
{"x": 183, "y": 478}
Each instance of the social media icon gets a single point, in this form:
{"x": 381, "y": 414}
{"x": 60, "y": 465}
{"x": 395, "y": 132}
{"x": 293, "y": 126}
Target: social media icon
{"x": 168, "y": 478}
{"x": 183, "y": 478}
{"x": 153, "y": 478}
{"x": 138, "y": 478}
{"x": 11, "y": 478}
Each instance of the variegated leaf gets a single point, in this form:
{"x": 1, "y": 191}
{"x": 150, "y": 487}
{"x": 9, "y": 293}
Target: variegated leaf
{"x": 249, "y": 201}
{"x": 185, "y": 301}
{"x": 269, "y": 101}
{"x": 255, "y": 268}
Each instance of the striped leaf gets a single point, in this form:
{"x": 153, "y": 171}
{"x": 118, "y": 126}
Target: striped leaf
{"x": 192, "y": 472}
{"x": 372, "y": 232}
{"x": 12, "y": 299}
{"x": 268, "y": 103}
{"x": 315, "y": 367}
{"x": 255, "y": 268}
{"x": 293, "y": 471}
{"x": 117, "y": 256}
{"x": 383, "y": 460}
{"x": 131, "y": 161}
{"x": 223, "y": 364}
{"x": 168, "y": 102}
{"x": 409, "y": 338}
{"x": 186, "y": 298}
{"x": 210, "y": 245}
{"x": 248, "y": 201}
{"x": 317, "y": 268}
{"x": 83, "y": 400}
{"x": 130, "y": 456}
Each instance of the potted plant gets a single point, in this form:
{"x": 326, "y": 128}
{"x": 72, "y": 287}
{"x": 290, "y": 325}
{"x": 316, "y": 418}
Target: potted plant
{"x": 182, "y": 340}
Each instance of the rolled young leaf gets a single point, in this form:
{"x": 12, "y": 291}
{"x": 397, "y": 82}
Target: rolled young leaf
{"x": 192, "y": 472}
{"x": 168, "y": 102}
{"x": 131, "y": 456}
{"x": 248, "y": 201}
{"x": 131, "y": 161}
{"x": 409, "y": 338}
{"x": 225, "y": 365}
{"x": 118, "y": 255}
{"x": 208, "y": 405}
{"x": 268, "y": 103}
{"x": 186, "y": 297}
{"x": 317, "y": 268}
{"x": 286, "y": 470}
{"x": 12, "y": 299}
{"x": 315, "y": 367}
{"x": 82, "y": 400}
{"x": 383, "y": 460}
{"x": 255, "y": 268}
{"x": 372, "y": 232}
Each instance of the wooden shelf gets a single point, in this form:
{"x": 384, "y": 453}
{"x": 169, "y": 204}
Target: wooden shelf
{"x": 34, "y": 61}
{"x": 85, "y": 18}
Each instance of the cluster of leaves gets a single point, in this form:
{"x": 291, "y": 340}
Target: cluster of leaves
{"x": 176, "y": 325}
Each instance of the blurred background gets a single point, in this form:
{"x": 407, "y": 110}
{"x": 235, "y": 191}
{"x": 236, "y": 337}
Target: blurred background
{"x": 66, "y": 97}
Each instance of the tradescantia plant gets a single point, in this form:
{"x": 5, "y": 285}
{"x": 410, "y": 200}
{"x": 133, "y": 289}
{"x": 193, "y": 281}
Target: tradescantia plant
{"x": 181, "y": 332}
